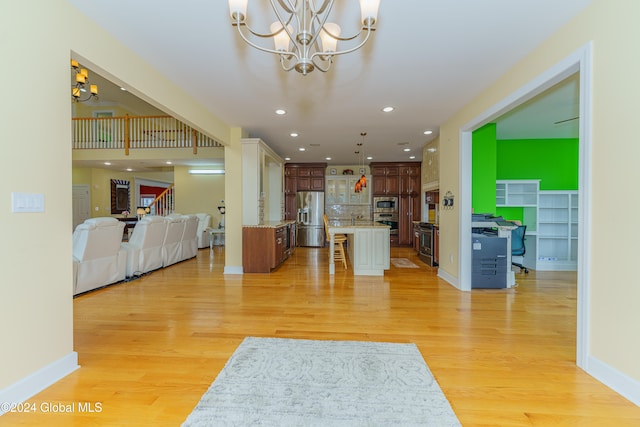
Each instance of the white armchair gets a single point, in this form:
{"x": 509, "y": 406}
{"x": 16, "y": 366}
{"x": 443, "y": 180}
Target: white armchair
{"x": 204, "y": 222}
{"x": 172, "y": 245}
{"x": 144, "y": 249}
{"x": 98, "y": 259}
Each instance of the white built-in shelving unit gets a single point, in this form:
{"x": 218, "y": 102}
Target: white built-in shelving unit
{"x": 557, "y": 230}
{"x": 551, "y": 218}
{"x": 518, "y": 193}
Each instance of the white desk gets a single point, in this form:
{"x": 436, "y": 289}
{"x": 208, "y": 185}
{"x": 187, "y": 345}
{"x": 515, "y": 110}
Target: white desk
{"x": 505, "y": 232}
{"x": 368, "y": 246}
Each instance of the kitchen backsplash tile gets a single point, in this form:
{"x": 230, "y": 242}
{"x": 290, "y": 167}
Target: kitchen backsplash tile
{"x": 343, "y": 212}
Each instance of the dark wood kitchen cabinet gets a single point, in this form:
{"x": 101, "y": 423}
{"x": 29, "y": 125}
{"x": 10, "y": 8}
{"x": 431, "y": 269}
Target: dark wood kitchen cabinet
{"x": 311, "y": 178}
{"x": 409, "y": 212}
{"x": 416, "y": 237}
{"x": 401, "y": 180}
{"x": 290, "y": 206}
{"x": 409, "y": 180}
{"x": 385, "y": 179}
{"x": 304, "y": 176}
{"x": 264, "y": 248}
{"x": 301, "y": 177}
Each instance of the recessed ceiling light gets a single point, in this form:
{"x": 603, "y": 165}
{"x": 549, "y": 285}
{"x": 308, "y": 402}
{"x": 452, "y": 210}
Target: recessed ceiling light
{"x": 369, "y": 158}
{"x": 281, "y": 112}
{"x": 388, "y": 109}
{"x": 287, "y": 158}
{"x": 327, "y": 158}
{"x": 129, "y": 170}
{"x": 168, "y": 162}
{"x": 123, "y": 89}
{"x": 406, "y": 149}
{"x": 302, "y": 149}
{"x": 107, "y": 163}
{"x": 293, "y": 134}
{"x": 412, "y": 157}
{"x": 428, "y": 132}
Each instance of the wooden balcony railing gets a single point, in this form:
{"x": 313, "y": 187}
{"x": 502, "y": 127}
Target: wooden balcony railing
{"x": 126, "y": 133}
{"x": 163, "y": 205}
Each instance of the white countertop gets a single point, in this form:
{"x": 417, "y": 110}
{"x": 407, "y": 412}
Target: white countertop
{"x": 356, "y": 224}
{"x": 271, "y": 224}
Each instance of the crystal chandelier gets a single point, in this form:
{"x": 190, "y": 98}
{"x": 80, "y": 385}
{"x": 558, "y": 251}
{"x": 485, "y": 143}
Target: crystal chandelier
{"x": 302, "y": 37}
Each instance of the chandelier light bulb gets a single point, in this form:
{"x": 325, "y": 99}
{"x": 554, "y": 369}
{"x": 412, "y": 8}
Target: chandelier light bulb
{"x": 328, "y": 36}
{"x": 281, "y": 38}
{"x": 238, "y": 9}
{"x": 369, "y": 11}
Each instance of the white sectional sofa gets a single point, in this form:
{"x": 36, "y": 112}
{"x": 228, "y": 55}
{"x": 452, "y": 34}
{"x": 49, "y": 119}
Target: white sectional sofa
{"x": 172, "y": 245}
{"x": 204, "y": 222}
{"x": 190, "y": 237}
{"x": 98, "y": 258}
{"x": 144, "y": 248}
{"x": 101, "y": 258}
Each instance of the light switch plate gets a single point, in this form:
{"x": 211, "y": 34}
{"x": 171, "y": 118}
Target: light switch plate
{"x": 27, "y": 202}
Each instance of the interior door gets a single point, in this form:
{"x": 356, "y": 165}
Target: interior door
{"x": 81, "y": 201}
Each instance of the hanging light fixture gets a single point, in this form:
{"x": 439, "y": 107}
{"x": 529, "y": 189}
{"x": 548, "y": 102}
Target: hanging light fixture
{"x": 362, "y": 182}
{"x": 81, "y": 77}
{"x": 302, "y": 37}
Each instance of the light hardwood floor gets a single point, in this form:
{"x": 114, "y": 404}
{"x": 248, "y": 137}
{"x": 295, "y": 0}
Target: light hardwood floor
{"x": 151, "y": 347}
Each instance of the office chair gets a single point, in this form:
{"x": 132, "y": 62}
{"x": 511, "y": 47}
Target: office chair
{"x": 517, "y": 246}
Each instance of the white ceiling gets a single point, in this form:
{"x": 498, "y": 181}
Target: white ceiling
{"x": 427, "y": 58}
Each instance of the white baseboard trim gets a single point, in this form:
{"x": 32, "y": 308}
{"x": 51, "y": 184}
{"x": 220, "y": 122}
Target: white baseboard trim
{"x": 37, "y": 381}
{"x": 622, "y": 384}
{"x": 453, "y": 281}
{"x": 229, "y": 269}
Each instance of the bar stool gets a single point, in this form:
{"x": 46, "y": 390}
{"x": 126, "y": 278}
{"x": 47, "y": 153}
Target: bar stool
{"x": 338, "y": 245}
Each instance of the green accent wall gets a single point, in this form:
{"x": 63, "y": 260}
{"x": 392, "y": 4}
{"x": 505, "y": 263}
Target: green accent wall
{"x": 553, "y": 161}
{"x": 511, "y": 213}
{"x": 484, "y": 169}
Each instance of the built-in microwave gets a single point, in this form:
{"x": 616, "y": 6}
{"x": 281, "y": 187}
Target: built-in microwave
{"x": 385, "y": 204}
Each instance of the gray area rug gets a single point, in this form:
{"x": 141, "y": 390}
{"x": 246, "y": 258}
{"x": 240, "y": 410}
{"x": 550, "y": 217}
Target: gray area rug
{"x": 292, "y": 382}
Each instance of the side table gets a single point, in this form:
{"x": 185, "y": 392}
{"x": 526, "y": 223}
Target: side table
{"x": 216, "y": 237}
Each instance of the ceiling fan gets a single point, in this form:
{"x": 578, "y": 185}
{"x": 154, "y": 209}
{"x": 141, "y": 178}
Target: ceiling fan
{"x": 566, "y": 120}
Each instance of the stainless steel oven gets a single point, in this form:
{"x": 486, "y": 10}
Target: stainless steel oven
{"x": 426, "y": 249}
{"x": 385, "y": 204}
{"x": 387, "y": 218}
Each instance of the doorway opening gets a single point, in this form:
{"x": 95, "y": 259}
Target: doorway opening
{"x": 578, "y": 62}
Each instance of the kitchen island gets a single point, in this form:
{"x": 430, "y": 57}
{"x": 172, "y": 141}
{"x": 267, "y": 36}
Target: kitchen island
{"x": 367, "y": 246}
{"x": 265, "y": 246}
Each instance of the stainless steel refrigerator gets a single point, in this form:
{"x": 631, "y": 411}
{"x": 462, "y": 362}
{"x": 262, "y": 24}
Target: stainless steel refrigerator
{"x": 310, "y": 209}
